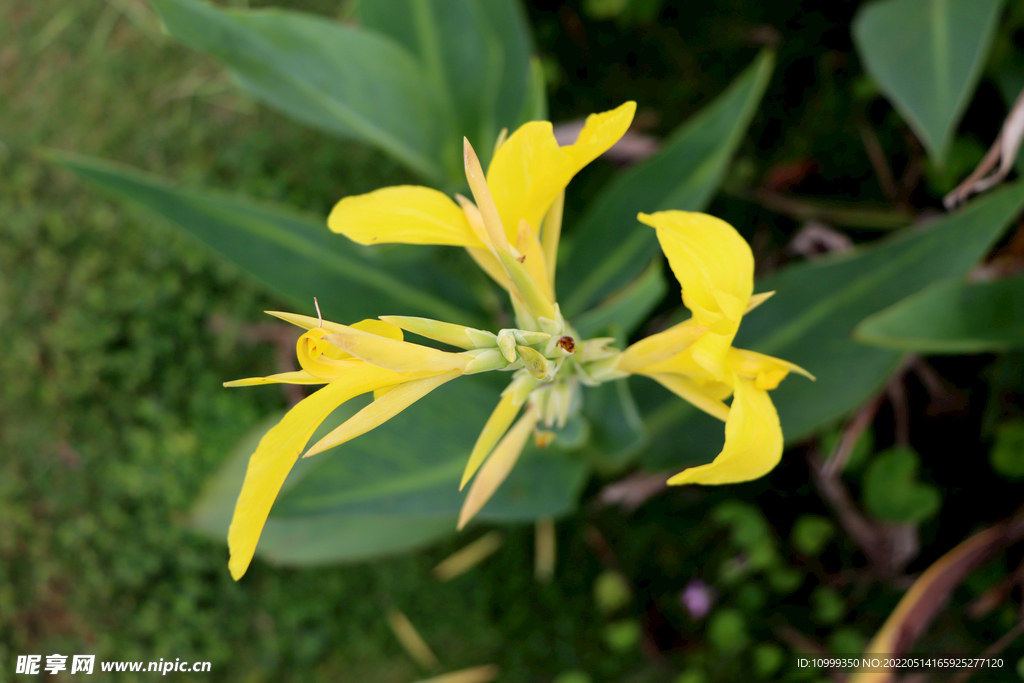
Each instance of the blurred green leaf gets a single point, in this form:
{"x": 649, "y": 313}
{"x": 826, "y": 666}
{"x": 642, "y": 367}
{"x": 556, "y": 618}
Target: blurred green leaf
{"x": 611, "y": 591}
{"x": 618, "y": 433}
{"x": 313, "y": 539}
{"x": 892, "y": 491}
{"x": 621, "y": 313}
{"x": 827, "y": 605}
{"x": 611, "y": 247}
{"x": 811, "y": 534}
{"x": 401, "y": 479}
{"x": 295, "y": 256}
{"x": 622, "y": 635}
{"x": 727, "y": 631}
{"x": 810, "y": 321}
{"x": 475, "y": 55}
{"x": 952, "y": 317}
{"x": 927, "y": 56}
{"x": 768, "y": 658}
{"x": 1007, "y": 454}
{"x": 342, "y": 80}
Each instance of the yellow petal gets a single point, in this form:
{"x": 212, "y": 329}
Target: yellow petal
{"x": 277, "y": 452}
{"x": 496, "y": 232}
{"x": 456, "y": 335}
{"x": 464, "y": 559}
{"x": 533, "y": 258}
{"x": 660, "y": 347}
{"x": 537, "y": 303}
{"x": 753, "y": 441}
{"x": 691, "y": 392}
{"x": 384, "y": 407}
{"x": 399, "y": 356}
{"x": 298, "y": 377}
{"x": 324, "y": 360}
{"x": 766, "y": 371}
{"x": 407, "y": 213}
{"x": 715, "y": 267}
{"x": 497, "y": 467}
{"x": 758, "y": 299}
{"x": 529, "y": 171}
{"x": 712, "y": 262}
{"x": 495, "y": 428}
{"x": 552, "y": 233}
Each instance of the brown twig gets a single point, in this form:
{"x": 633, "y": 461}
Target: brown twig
{"x": 876, "y": 155}
{"x": 862, "y": 419}
{"x": 1003, "y": 153}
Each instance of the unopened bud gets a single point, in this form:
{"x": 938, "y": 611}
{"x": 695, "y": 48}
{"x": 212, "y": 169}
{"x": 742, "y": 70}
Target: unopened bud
{"x": 535, "y": 363}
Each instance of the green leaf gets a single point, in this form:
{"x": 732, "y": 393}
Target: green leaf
{"x": 475, "y": 54}
{"x": 344, "y": 81}
{"x": 1007, "y": 454}
{"x": 952, "y": 317}
{"x": 810, "y": 322}
{"x": 892, "y": 491}
{"x": 401, "y": 479}
{"x": 620, "y": 314}
{"x": 611, "y": 247}
{"x": 927, "y": 56}
{"x": 314, "y": 539}
{"x": 295, "y": 256}
{"x": 618, "y": 433}
{"x": 811, "y": 534}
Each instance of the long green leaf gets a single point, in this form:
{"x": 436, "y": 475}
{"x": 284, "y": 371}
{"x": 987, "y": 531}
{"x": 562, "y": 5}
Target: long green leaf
{"x": 611, "y": 247}
{"x": 393, "y": 488}
{"x": 476, "y": 56}
{"x": 341, "y": 80}
{"x": 952, "y": 317}
{"x": 295, "y": 256}
{"x": 312, "y": 539}
{"x": 811, "y": 318}
{"x": 927, "y": 56}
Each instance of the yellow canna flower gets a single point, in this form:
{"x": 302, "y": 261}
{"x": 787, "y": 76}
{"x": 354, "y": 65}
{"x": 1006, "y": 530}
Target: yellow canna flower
{"x": 696, "y": 360}
{"x": 512, "y": 229}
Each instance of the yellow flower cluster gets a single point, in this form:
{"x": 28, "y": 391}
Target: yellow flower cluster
{"x": 512, "y": 231}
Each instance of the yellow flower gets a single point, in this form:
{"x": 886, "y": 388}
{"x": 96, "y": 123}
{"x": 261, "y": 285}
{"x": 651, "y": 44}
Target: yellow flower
{"x": 696, "y": 360}
{"x": 512, "y": 232}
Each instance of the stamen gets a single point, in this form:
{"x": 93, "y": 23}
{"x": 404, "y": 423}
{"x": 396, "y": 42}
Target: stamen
{"x": 319, "y": 318}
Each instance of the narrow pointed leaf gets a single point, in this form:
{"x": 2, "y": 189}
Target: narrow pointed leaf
{"x": 475, "y": 54}
{"x": 952, "y": 317}
{"x": 684, "y": 175}
{"x": 342, "y": 80}
{"x": 293, "y": 255}
{"x": 927, "y": 56}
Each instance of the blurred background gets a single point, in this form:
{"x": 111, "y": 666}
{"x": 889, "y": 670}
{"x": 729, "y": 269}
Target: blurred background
{"x": 118, "y": 331}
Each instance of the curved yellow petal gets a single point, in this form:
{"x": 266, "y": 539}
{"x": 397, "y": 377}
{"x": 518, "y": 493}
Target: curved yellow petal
{"x": 660, "y": 346}
{"x": 384, "y": 407}
{"x": 279, "y": 449}
{"x": 766, "y": 371}
{"x": 406, "y": 213}
{"x": 297, "y": 377}
{"x": 753, "y": 440}
{"x": 715, "y": 267}
{"x": 694, "y": 394}
{"x": 399, "y": 355}
{"x": 529, "y": 170}
{"x": 497, "y": 467}
{"x": 495, "y": 427}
